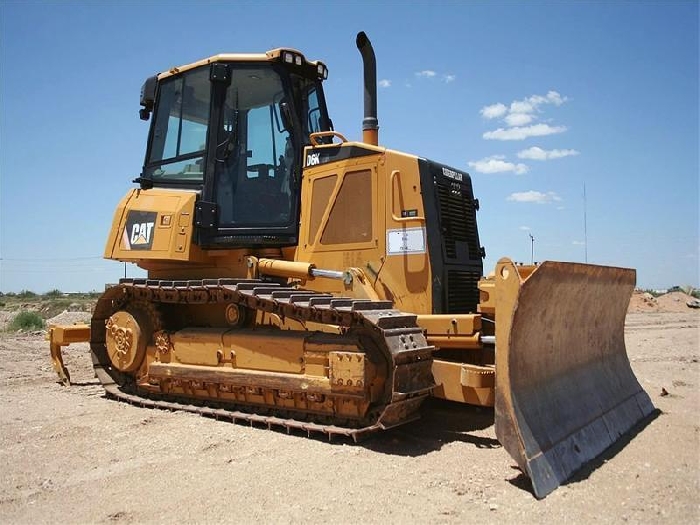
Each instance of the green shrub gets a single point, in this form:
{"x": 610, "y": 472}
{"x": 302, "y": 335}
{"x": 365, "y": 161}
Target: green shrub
{"x": 26, "y": 294}
{"x": 26, "y": 321}
{"x": 52, "y": 294}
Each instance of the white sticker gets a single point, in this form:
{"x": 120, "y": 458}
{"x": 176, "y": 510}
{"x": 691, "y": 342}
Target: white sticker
{"x": 405, "y": 240}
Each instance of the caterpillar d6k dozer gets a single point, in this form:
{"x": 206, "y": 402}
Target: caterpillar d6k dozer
{"x": 299, "y": 279}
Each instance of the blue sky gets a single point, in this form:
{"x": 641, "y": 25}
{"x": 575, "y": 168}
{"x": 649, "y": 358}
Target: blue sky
{"x": 534, "y": 100}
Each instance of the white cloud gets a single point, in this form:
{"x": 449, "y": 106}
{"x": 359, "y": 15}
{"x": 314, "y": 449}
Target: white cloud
{"x": 532, "y": 103}
{"x": 535, "y": 153}
{"x": 521, "y": 133}
{"x": 497, "y": 164}
{"x": 448, "y": 78}
{"x": 518, "y": 119}
{"x": 578, "y": 243}
{"x": 384, "y": 83}
{"x": 552, "y": 97}
{"x": 525, "y": 228}
{"x": 555, "y": 98}
{"x": 426, "y": 73}
{"x": 534, "y": 196}
{"x": 522, "y": 112}
{"x": 493, "y": 111}
{"x": 521, "y": 106}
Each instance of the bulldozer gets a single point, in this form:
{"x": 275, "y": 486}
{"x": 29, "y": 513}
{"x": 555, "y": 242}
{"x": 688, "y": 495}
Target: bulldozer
{"x": 300, "y": 280}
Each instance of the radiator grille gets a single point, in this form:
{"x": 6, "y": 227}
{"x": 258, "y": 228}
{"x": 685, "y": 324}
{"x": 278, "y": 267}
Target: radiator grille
{"x": 457, "y": 219}
{"x": 462, "y": 291}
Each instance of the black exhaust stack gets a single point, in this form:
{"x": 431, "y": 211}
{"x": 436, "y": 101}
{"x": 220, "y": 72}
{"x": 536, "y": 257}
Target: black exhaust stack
{"x": 370, "y": 124}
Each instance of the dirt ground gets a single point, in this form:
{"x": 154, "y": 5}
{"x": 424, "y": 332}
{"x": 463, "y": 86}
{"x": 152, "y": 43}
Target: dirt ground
{"x": 71, "y": 455}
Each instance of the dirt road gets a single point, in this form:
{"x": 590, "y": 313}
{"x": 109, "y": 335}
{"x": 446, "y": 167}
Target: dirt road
{"x": 70, "y": 455}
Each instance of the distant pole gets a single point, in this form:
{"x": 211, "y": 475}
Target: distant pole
{"x": 585, "y": 225}
{"x": 532, "y": 249}
{"x": 124, "y": 269}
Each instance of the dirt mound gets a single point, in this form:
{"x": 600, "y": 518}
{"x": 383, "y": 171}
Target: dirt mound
{"x": 67, "y": 317}
{"x": 643, "y": 302}
{"x": 673, "y": 302}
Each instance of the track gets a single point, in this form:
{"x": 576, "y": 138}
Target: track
{"x": 395, "y": 334}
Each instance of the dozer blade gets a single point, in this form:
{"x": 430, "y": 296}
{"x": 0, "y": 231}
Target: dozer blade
{"x": 565, "y": 390}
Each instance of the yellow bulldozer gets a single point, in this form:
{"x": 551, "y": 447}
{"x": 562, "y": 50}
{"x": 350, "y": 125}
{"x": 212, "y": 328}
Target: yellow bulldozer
{"x": 301, "y": 280}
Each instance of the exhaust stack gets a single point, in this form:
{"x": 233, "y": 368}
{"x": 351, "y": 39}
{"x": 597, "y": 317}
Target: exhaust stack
{"x": 370, "y": 124}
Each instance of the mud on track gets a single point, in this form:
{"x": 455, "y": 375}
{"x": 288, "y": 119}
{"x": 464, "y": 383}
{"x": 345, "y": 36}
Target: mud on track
{"x": 70, "y": 454}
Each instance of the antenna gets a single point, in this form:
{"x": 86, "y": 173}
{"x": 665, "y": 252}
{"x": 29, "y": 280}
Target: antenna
{"x": 585, "y": 225}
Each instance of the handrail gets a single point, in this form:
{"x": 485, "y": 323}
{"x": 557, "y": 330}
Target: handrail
{"x": 320, "y": 134}
{"x": 393, "y": 215}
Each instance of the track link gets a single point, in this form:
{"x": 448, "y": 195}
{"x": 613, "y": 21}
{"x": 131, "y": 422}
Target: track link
{"x": 395, "y": 333}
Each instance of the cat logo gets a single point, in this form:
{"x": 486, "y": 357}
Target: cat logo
{"x": 139, "y": 230}
{"x": 141, "y": 233}
{"x": 313, "y": 159}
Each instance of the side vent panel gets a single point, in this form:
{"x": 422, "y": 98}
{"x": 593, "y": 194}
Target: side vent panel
{"x": 453, "y": 237}
{"x": 458, "y": 220}
{"x": 462, "y": 291}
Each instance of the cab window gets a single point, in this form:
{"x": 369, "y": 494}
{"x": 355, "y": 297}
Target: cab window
{"x": 180, "y": 128}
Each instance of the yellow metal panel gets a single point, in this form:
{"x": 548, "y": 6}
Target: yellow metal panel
{"x": 463, "y": 383}
{"x": 316, "y": 363}
{"x": 273, "y": 350}
{"x": 66, "y": 334}
{"x": 239, "y": 377}
{"x": 450, "y": 324}
{"x": 452, "y": 331}
{"x": 170, "y": 242}
{"x": 180, "y": 242}
{"x": 197, "y": 346}
{"x": 115, "y": 233}
{"x": 487, "y": 296}
{"x": 405, "y": 279}
{"x": 408, "y": 276}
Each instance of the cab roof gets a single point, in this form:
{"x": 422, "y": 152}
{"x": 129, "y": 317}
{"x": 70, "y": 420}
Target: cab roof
{"x": 269, "y": 56}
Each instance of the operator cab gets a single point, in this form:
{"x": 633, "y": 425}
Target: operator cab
{"x": 233, "y": 127}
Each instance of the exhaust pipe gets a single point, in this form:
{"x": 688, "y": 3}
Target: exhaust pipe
{"x": 370, "y": 124}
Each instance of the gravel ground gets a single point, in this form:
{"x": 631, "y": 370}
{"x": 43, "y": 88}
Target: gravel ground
{"x": 70, "y": 455}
